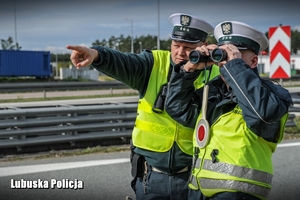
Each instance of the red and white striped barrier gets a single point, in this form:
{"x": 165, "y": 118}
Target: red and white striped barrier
{"x": 280, "y": 47}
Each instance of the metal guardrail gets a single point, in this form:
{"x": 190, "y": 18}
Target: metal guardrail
{"x": 290, "y": 122}
{"x": 71, "y": 123}
{"x": 21, "y": 127}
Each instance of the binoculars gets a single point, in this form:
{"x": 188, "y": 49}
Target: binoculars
{"x": 216, "y": 55}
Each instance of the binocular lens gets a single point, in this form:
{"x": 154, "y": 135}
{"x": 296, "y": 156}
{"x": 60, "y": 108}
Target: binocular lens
{"x": 218, "y": 55}
{"x": 194, "y": 57}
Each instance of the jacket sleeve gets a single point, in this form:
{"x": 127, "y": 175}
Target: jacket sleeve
{"x": 181, "y": 103}
{"x": 129, "y": 68}
{"x": 263, "y": 105}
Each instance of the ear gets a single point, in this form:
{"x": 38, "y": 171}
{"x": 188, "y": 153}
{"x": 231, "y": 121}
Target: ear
{"x": 254, "y": 61}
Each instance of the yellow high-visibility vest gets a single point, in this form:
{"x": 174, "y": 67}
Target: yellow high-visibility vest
{"x": 235, "y": 158}
{"x": 158, "y": 131}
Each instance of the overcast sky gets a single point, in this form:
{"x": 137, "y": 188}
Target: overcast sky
{"x": 52, "y": 24}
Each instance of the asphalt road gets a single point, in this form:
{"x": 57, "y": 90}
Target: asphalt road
{"x": 106, "y": 176}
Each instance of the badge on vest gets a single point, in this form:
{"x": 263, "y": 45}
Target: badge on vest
{"x": 202, "y": 128}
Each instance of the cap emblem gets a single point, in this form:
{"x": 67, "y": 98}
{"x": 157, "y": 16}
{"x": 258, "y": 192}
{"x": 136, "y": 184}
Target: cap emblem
{"x": 184, "y": 29}
{"x": 227, "y": 28}
{"x": 185, "y": 20}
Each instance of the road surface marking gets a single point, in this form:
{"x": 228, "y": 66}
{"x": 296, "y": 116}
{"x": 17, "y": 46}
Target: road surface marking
{"x": 289, "y": 144}
{"x": 29, "y": 169}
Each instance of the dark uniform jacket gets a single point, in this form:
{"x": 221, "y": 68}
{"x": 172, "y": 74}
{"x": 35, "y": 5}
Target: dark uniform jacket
{"x": 263, "y": 103}
{"x": 134, "y": 70}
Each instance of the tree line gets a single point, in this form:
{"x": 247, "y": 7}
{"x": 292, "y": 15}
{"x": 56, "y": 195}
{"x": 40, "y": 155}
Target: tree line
{"x": 149, "y": 42}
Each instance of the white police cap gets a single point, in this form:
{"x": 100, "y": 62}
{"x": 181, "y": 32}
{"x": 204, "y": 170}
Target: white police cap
{"x": 241, "y": 35}
{"x": 188, "y": 28}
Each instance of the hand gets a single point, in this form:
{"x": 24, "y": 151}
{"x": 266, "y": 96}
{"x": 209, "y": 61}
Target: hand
{"x": 232, "y": 53}
{"x": 82, "y": 56}
{"x": 190, "y": 67}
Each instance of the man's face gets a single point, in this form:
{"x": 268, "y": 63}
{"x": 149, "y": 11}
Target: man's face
{"x": 250, "y": 58}
{"x": 180, "y": 50}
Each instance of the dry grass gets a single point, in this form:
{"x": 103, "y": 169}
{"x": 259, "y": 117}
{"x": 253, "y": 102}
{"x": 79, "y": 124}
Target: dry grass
{"x": 293, "y": 132}
{"x": 66, "y": 153}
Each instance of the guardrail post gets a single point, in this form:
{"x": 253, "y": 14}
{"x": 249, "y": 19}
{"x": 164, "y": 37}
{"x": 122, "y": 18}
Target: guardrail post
{"x": 74, "y": 115}
{"x": 20, "y": 137}
{"x": 73, "y": 144}
{"x": 124, "y": 139}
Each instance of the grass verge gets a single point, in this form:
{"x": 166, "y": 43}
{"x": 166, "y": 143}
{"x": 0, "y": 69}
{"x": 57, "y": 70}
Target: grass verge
{"x": 293, "y": 132}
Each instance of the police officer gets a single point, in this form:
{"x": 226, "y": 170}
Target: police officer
{"x": 244, "y": 119}
{"x": 162, "y": 148}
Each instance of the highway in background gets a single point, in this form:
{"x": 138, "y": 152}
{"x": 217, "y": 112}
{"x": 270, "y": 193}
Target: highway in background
{"x": 106, "y": 176}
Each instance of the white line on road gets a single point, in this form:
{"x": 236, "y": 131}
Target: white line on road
{"x": 28, "y": 169}
{"x": 289, "y": 144}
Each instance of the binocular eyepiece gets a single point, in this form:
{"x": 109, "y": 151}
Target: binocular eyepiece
{"x": 217, "y": 55}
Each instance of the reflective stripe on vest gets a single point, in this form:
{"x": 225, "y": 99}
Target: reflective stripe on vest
{"x": 193, "y": 184}
{"x": 154, "y": 128}
{"x": 238, "y": 171}
{"x": 162, "y": 129}
{"x": 232, "y": 170}
{"x": 235, "y": 185}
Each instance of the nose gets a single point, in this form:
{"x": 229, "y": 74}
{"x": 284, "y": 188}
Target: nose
{"x": 181, "y": 51}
